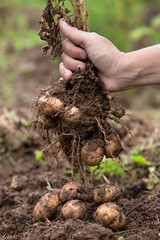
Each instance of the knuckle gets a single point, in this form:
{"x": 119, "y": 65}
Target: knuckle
{"x": 94, "y": 35}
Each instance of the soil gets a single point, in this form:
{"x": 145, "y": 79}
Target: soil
{"x": 23, "y": 180}
{"x": 140, "y": 205}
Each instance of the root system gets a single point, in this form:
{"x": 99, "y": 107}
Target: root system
{"x": 75, "y": 112}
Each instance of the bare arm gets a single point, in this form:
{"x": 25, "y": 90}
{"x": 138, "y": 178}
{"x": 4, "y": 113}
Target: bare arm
{"x": 118, "y": 71}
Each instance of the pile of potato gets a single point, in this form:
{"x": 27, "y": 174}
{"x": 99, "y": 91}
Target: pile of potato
{"x": 107, "y": 213}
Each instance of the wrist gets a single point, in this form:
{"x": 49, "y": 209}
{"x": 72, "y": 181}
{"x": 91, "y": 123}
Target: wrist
{"x": 139, "y": 68}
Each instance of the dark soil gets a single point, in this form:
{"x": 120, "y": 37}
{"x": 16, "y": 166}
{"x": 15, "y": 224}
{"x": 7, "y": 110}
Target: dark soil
{"x": 23, "y": 180}
{"x": 140, "y": 205}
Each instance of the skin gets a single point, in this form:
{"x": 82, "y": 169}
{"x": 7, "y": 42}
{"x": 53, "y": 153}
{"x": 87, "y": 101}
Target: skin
{"x": 118, "y": 71}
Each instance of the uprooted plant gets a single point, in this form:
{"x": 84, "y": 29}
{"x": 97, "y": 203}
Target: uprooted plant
{"x": 75, "y": 113}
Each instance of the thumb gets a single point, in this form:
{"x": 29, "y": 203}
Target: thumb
{"x": 76, "y": 36}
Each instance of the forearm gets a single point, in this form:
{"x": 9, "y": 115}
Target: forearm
{"x": 140, "y": 68}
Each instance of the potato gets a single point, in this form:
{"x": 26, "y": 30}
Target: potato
{"x": 69, "y": 191}
{"x": 92, "y": 153}
{"x": 110, "y": 215}
{"x": 74, "y": 209}
{"x": 106, "y": 193}
{"x": 113, "y": 146}
{"x": 49, "y": 105}
{"x": 46, "y": 207}
{"x": 72, "y": 115}
{"x": 119, "y": 113}
{"x": 110, "y": 97}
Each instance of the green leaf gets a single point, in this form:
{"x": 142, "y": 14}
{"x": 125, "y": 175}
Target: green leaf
{"x": 121, "y": 238}
{"x": 140, "y": 159}
{"x": 68, "y": 172}
{"x": 25, "y": 123}
{"x": 38, "y": 155}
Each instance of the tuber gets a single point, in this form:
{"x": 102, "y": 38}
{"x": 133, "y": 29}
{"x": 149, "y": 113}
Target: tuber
{"x": 106, "y": 193}
{"x": 69, "y": 191}
{"x": 74, "y": 209}
{"x": 92, "y": 153}
{"x": 119, "y": 113}
{"x": 113, "y": 146}
{"x": 49, "y": 105}
{"x": 46, "y": 207}
{"x": 72, "y": 115}
{"x": 110, "y": 215}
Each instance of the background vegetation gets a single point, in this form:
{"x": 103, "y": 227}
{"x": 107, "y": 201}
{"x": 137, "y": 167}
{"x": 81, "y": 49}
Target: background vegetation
{"x": 129, "y": 24}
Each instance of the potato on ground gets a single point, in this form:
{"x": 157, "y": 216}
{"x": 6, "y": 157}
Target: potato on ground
{"x": 106, "y": 193}
{"x": 92, "y": 152}
{"x": 46, "y": 207}
{"x": 110, "y": 215}
{"x": 70, "y": 191}
{"x": 75, "y": 209}
{"x": 113, "y": 146}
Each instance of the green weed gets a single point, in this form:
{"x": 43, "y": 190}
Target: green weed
{"x": 108, "y": 166}
{"x": 38, "y": 156}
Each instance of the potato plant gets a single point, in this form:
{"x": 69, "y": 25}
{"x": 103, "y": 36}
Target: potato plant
{"x": 77, "y": 111}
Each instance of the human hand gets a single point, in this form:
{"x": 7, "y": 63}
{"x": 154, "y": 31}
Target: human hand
{"x": 102, "y": 53}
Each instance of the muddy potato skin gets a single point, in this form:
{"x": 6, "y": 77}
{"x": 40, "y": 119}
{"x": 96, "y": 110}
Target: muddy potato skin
{"x": 92, "y": 157}
{"x": 74, "y": 209}
{"x": 72, "y": 115}
{"x": 49, "y": 105}
{"x": 46, "y": 207}
{"x": 110, "y": 215}
{"x": 106, "y": 193}
{"x": 119, "y": 113}
{"x": 113, "y": 146}
{"x": 69, "y": 191}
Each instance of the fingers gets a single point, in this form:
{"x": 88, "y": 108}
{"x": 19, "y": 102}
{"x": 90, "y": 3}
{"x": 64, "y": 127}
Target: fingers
{"x": 77, "y": 36}
{"x": 72, "y": 50}
{"x": 64, "y": 72}
{"x": 72, "y": 64}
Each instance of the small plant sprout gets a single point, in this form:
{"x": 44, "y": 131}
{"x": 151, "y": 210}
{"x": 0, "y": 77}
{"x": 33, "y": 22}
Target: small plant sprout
{"x": 38, "y": 156}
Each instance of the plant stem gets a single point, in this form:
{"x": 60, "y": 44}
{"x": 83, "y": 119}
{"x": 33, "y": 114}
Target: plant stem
{"x": 81, "y": 14}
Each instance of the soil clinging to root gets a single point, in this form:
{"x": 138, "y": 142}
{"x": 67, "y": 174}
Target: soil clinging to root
{"x": 77, "y": 111}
